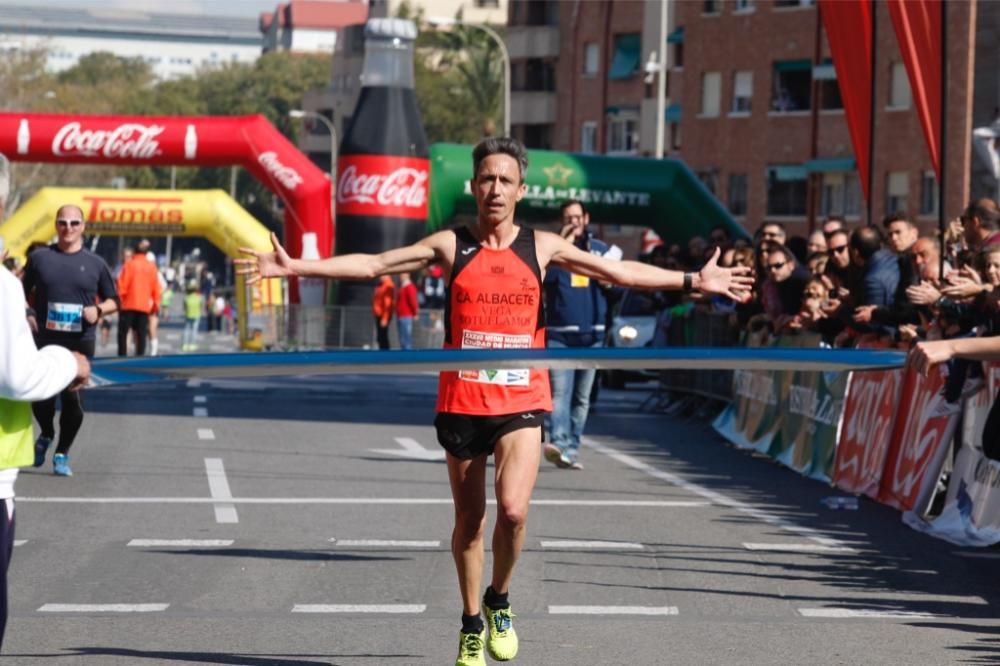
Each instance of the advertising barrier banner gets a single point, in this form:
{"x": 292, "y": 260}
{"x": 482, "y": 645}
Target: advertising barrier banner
{"x": 751, "y": 420}
{"x": 870, "y": 412}
{"x": 921, "y": 439}
{"x": 971, "y": 516}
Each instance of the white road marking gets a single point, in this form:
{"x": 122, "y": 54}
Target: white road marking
{"x": 384, "y": 543}
{"x": 194, "y": 382}
{"x": 103, "y": 608}
{"x": 200, "y": 411}
{"x": 975, "y": 555}
{"x": 613, "y": 610}
{"x": 200, "y": 399}
{"x": 206, "y": 433}
{"x": 397, "y": 501}
{"x": 359, "y": 608}
{"x": 411, "y": 448}
{"x": 180, "y": 543}
{"x": 840, "y": 613}
{"x": 19, "y": 542}
{"x": 798, "y": 548}
{"x": 599, "y": 545}
{"x": 218, "y": 487}
{"x": 711, "y": 495}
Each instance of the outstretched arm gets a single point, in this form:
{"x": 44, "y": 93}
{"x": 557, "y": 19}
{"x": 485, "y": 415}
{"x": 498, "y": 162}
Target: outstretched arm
{"x": 927, "y": 354}
{"x": 344, "y": 267}
{"x": 734, "y": 283}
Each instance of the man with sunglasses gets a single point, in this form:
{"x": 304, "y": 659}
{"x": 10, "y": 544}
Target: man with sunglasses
{"x": 789, "y": 280}
{"x": 70, "y": 288}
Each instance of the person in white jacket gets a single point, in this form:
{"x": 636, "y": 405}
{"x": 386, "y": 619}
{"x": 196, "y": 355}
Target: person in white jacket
{"x": 26, "y": 374}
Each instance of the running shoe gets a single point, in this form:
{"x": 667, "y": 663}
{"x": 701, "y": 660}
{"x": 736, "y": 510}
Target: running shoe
{"x": 502, "y": 643}
{"x": 470, "y": 649}
{"x": 568, "y": 463}
{"x": 552, "y": 453}
{"x": 41, "y": 446}
{"x": 60, "y": 465}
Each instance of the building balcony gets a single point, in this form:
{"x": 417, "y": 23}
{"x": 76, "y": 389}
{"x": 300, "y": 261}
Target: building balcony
{"x": 533, "y": 108}
{"x": 532, "y": 41}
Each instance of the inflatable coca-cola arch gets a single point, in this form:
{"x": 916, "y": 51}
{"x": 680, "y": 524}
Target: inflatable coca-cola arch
{"x": 249, "y": 141}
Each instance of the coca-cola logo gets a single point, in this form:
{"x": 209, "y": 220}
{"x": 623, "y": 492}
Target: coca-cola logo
{"x": 127, "y": 141}
{"x": 405, "y": 187}
{"x": 286, "y": 175}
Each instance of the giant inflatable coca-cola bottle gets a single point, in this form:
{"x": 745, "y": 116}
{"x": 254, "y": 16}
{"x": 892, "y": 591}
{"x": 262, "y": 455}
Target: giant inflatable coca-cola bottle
{"x": 382, "y": 168}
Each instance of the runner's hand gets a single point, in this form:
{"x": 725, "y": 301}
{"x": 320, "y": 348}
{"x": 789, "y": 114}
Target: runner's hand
{"x": 264, "y": 264}
{"x": 927, "y": 354}
{"x": 735, "y": 283}
{"x": 90, "y": 314}
{"x": 82, "y": 372}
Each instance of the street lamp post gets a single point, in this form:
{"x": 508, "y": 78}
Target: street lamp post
{"x": 299, "y": 114}
{"x": 445, "y": 21}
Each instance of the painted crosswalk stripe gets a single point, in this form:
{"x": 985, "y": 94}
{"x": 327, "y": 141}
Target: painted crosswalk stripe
{"x": 200, "y": 411}
{"x": 359, "y": 608}
{"x": 218, "y": 487}
{"x": 596, "y": 545}
{"x": 200, "y": 399}
{"x": 180, "y": 543}
{"x": 206, "y": 433}
{"x": 384, "y": 543}
{"x": 103, "y": 608}
{"x": 613, "y": 610}
{"x": 838, "y": 613}
{"x": 798, "y": 548}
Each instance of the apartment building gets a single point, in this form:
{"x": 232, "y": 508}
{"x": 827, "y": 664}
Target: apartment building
{"x": 752, "y": 103}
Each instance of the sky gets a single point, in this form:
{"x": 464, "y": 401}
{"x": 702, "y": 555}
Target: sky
{"x": 244, "y": 8}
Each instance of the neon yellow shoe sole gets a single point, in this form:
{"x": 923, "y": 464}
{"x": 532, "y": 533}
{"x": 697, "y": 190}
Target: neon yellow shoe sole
{"x": 470, "y": 649}
{"x": 502, "y": 643}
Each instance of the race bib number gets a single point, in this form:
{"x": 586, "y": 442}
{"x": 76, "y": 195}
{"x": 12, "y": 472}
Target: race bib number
{"x": 579, "y": 280}
{"x": 479, "y": 340}
{"x": 64, "y": 317}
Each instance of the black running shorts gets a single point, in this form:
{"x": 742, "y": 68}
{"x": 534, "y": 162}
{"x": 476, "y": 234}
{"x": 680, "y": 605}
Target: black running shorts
{"x": 467, "y": 436}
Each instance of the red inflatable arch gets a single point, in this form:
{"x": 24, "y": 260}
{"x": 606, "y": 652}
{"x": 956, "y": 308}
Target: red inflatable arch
{"x": 250, "y": 141}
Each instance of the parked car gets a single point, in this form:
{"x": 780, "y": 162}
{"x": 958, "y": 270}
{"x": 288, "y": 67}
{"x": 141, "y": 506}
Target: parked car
{"x": 633, "y": 326}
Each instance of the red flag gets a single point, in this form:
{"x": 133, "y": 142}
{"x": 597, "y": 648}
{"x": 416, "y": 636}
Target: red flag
{"x": 848, "y": 26}
{"x": 918, "y": 31}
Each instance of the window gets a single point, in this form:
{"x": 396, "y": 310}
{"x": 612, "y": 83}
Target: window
{"x": 675, "y": 136}
{"x": 591, "y": 59}
{"x": 782, "y": 4}
{"x": 792, "y": 85}
{"x": 623, "y": 135}
{"x": 534, "y": 75}
{"x": 840, "y": 194}
{"x": 710, "y": 179}
{"x": 737, "y": 194}
{"x": 710, "y": 6}
{"x": 488, "y": 4}
{"x": 928, "y": 193}
{"x": 897, "y": 191}
{"x": 678, "y": 56}
{"x": 588, "y": 137}
{"x": 742, "y": 92}
{"x": 626, "y": 59}
{"x": 829, "y": 90}
{"x": 711, "y": 82}
{"x": 743, "y": 6}
{"x": 537, "y": 136}
{"x": 786, "y": 190}
{"x": 899, "y": 87}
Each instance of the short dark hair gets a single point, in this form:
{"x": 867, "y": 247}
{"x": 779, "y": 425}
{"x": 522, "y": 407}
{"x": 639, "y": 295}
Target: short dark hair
{"x": 772, "y": 224}
{"x": 500, "y": 145}
{"x": 572, "y": 202}
{"x": 778, "y": 248}
{"x": 895, "y": 217}
{"x": 867, "y": 240}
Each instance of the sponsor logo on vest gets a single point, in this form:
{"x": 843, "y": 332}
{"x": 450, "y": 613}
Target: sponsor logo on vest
{"x": 286, "y": 175}
{"x": 130, "y": 140}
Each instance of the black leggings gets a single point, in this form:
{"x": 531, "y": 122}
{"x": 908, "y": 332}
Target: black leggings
{"x": 71, "y": 416}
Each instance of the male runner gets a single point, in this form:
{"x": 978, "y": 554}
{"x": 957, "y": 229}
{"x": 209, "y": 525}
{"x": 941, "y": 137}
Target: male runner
{"x": 494, "y": 271}
{"x": 70, "y": 289}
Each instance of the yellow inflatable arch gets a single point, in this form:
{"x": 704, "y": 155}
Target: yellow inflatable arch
{"x": 211, "y": 214}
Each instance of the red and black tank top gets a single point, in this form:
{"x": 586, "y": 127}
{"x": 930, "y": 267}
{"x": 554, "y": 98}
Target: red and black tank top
{"x": 494, "y": 302}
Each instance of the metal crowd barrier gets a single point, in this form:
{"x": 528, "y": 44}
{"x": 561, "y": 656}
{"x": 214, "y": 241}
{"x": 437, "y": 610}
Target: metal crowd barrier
{"x": 701, "y": 329}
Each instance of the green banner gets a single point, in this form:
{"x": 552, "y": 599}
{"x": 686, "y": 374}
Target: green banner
{"x": 752, "y": 420}
{"x": 661, "y": 194}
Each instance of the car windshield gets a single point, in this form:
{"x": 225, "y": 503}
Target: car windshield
{"x": 638, "y": 304}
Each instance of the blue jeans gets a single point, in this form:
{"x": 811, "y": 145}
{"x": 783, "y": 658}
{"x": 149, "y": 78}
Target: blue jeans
{"x": 405, "y": 325}
{"x": 190, "y": 331}
{"x": 570, "y": 404}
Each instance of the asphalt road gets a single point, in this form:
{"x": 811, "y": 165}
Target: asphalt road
{"x": 299, "y": 522}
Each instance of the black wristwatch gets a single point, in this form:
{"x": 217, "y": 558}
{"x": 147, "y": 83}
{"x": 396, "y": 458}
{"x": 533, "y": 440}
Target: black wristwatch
{"x": 688, "y": 282}
{"x": 100, "y": 312}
